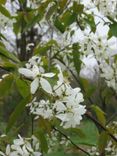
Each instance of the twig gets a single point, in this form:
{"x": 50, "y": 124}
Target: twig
{"x": 79, "y": 148}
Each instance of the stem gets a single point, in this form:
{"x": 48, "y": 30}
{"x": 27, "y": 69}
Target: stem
{"x": 79, "y": 148}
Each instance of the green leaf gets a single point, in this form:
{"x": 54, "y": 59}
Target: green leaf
{"x": 90, "y": 21}
{"x": 42, "y": 139}
{"x": 42, "y": 49}
{"x": 7, "y": 64}
{"x": 36, "y": 18}
{"x": 76, "y": 58}
{"x": 100, "y": 114}
{"x": 6, "y": 84}
{"x": 18, "y": 24}
{"x": 78, "y": 8}
{"x": 113, "y": 30}
{"x": 22, "y": 87}
{"x": 8, "y": 54}
{"x": 2, "y": 1}
{"x": 65, "y": 20}
{"x": 62, "y": 4}
{"x": 17, "y": 113}
{"x": 4, "y": 11}
{"x": 90, "y": 132}
{"x": 88, "y": 87}
{"x": 102, "y": 142}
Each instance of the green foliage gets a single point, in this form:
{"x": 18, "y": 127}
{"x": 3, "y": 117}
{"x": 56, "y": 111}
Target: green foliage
{"x": 23, "y": 87}
{"x": 76, "y": 58}
{"x": 113, "y": 30}
{"x": 17, "y": 113}
{"x": 102, "y": 142}
{"x": 8, "y": 55}
{"x": 4, "y": 11}
{"x": 42, "y": 139}
{"x": 6, "y": 85}
{"x": 90, "y": 132}
{"x": 100, "y": 114}
{"x": 68, "y": 17}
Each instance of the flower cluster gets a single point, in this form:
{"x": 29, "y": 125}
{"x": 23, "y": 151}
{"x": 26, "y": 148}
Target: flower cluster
{"x": 109, "y": 72}
{"x": 101, "y": 50}
{"x": 22, "y": 147}
{"x": 64, "y": 103}
{"x": 107, "y": 7}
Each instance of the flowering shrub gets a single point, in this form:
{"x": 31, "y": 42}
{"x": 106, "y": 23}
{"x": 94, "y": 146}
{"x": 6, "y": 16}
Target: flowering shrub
{"x": 50, "y": 106}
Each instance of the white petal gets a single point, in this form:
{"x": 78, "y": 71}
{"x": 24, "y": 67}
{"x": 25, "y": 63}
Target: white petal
{"x": 26, "y": 72}
{"x": 34, "y": 85}
{"x": 62, "y": 117}
{"x": 2, "y": 154}
{"x": 46, "y": 85}
{"x": 48, "y": 74}
{"x": 8, "y": 150}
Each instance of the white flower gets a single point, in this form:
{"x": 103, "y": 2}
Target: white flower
{"x": 68, "y": 108}
{"x": 22, "y": 147}
{"x": 42, "y": 108}
{"x": 37, "y": 74}
{"x": 107, "y": 7}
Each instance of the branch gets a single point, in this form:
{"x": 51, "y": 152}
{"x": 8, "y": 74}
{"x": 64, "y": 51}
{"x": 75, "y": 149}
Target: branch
{"x": 79, "y": 148}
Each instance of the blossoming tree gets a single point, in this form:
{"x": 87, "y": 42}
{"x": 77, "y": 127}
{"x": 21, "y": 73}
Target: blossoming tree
{"x": 55, "y": 110}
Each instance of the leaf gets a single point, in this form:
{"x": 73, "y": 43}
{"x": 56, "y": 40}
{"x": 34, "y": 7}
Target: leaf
{"x": 8, "y": 54}
{"x": 88, "y": 87}
{"x": 17, "y": 113}
{"x": 18, "y": 24}
{"x": 90, "y": 21}
{"x": 100, "y": 114}
{"x": 65, "y": 20}
{"x": 76, "y": 58}
{"x": 4, "y": 11}
{"x": 45, "y": 125}
{"x": 112, "y": 30}
{"x": 90, "y": 132}
{"x": 44, "y": 48}
{"x": 6, "y": 84}
{"x": 62, "y": 4}
{"x": 7, "y": 65}
{"x": 36, "y": 18}
{"x": 102, "y": 142}
{"x": 22, "y": 87}
{"x": 78, "y": 8}
{"x": 42, "y": 139}
{"x": 2, "y": 1}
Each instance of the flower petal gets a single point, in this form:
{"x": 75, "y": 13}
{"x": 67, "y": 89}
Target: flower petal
{"x": 34, "y": 85}
{"x": 46, "y": 85}
{"x": 26, "y": 72}
{"x": 48, "y": 74}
